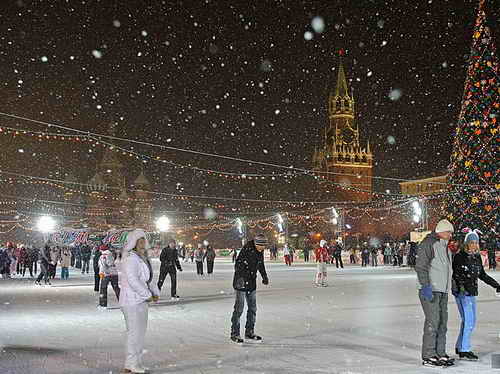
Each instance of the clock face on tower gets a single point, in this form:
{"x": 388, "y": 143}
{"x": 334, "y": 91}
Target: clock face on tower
{"x": 347, "y": 135}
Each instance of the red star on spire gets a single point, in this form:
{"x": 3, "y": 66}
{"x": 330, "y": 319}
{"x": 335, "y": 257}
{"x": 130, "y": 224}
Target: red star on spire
{"x": 341, "y": 52}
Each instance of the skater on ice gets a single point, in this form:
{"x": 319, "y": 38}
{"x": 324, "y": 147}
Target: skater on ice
{"x": 322, "y": 259}
{"x": 467, "y": 269}
{"x": 434, "y": 271}
{"x": 169, "y": 266}
{"x": 249, "y": 261}
{"x": 137, "y": 290}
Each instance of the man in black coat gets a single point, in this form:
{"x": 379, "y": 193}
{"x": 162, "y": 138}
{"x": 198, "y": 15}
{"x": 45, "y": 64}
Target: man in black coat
{"x": 97, "y": 256}
{"x": 169, "y": 265}
{"x": 250, "y": 259}
{"x": 86, "y": 254}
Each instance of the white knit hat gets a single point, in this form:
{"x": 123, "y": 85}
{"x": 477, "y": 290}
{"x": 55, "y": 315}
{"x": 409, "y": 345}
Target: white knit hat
{"x": 444, "y": 225}
{"x": 322, "y": 243}
{"x": 132, "y": 238}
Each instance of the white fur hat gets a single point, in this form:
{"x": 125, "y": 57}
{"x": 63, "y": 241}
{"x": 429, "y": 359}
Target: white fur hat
{"x": 132, "y": 238}
{"x": 444, "y": 225}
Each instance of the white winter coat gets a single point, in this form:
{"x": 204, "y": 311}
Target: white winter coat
{"x": 107, "y": 265}
{"x": 133, "y": 277}
{"x": 286, "y": 251}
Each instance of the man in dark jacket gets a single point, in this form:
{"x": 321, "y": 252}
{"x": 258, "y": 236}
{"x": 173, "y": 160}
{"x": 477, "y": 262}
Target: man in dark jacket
{"x": 45, "y": 261}
{"x": 210, "y": 256}
{"x": 250, "y": 259}
{"x": 169, "y": 265}
{"x": 434, "y": 271}
{"x": 337, "y": 253}
{"x": 86, "y": 254}
{"x": 97, "y": 278}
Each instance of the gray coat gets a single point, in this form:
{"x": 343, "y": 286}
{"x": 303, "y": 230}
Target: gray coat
{"x": 433, "y": 265}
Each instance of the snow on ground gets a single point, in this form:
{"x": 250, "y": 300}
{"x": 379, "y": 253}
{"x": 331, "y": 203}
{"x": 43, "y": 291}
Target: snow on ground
{"x": 368, "y": 321}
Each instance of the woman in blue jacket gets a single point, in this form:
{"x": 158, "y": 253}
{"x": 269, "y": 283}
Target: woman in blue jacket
{"x": 467, "y": 269}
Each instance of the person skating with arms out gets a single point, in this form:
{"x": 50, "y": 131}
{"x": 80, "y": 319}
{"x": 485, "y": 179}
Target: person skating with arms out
{"x": 249, "y": 261}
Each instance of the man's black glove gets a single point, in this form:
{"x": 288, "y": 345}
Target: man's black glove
{"x": 180, "y": 269}
{"x": 265, "y": 281}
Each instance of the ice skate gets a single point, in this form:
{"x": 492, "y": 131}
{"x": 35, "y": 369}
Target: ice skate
{"x": 134, "y": 371}
{"x": 237, "y": 339}
{"x": 433, "y": 362}
{"x": 469, "y": 356}
{"x": 250, "y": 336}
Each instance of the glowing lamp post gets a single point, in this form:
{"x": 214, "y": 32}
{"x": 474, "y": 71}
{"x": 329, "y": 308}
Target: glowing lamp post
{"x": 163, "y": 224}
{"x": 46, "y": 225}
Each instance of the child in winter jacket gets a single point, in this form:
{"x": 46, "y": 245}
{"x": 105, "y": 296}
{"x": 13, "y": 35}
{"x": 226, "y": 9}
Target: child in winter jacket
{"x": 108, "y": 273}
{"x": 65, "y": 260}
{"x": 322, "y": 258}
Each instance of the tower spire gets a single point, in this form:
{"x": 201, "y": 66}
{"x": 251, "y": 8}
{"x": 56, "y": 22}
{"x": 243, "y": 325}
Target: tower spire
{"x": 341, "y": 89}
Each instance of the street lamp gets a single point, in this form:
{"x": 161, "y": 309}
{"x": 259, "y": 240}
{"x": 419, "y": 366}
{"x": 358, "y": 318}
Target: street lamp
{"x": 417, "y": 211}
{"x": 162, "y": 224}
{"x": 46, "y": 224}
{"x": 241, "y": 230}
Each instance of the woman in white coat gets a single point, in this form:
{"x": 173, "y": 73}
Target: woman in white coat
{"x": 137, "y": 290}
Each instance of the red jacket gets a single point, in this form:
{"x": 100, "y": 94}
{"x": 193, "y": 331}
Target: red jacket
{"x": 321, "y": 254}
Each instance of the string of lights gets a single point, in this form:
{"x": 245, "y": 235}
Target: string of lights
{"x": 90, "y": 134}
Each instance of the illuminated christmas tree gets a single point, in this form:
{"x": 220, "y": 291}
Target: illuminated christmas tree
{"x": 474, "y": 180}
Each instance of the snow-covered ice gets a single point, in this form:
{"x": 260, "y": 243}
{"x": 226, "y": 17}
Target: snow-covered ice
{"x": 368, "y": 321}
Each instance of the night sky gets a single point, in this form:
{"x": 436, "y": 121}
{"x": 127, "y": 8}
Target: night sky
{"x": 238, "y": 80}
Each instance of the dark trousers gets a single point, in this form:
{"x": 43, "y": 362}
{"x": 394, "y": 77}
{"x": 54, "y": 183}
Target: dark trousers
{"x": 97, "y": 281}
{"x": 29, "y": 266}
{"x": 172, "y": 271}
{"x": 306, "y": 256}
{"x": 239, "y": 304}
{"x": 435, "y": 325}
{"x": 374, "y": 260}
{"x": 85, "y": 266}
{"x": 338, "y": 260}
{"x": 103, "y": 293}
{"x": 210, "y": 266}
{"x": 352, "y": 259}
{"x": 19, "y": 267}
{"x": 44, "y": 273}
{"x": 52, "y": 271}
{"x": 492, "y": 263}
{"x": 35, "y": 266}
{"x": 199, "y": 267}
{"x": 365, "y": 260}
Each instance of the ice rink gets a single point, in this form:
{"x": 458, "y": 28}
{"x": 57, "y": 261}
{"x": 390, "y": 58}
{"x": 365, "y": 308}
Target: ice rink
{"x": 368, "y": 320}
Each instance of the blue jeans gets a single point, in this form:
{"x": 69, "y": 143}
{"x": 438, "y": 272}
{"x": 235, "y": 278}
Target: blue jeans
{"x": 239, "y": 304}
{"x": 64, "y": 273}
{"x": 467, "y": 308}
